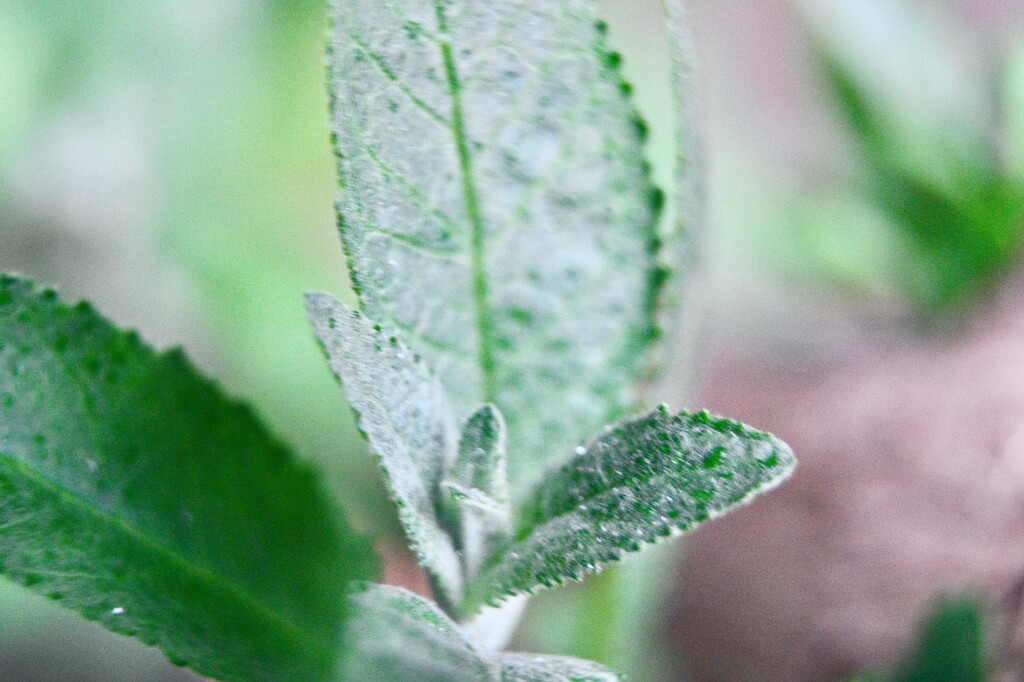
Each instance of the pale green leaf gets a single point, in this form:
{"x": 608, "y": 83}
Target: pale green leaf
{"x": 532, "y": 668}
{"x": 689, "y": 165}
{"x": 396, "y": 636}
{"x": 681, "y": 309}
{"x": 637, "y": 483}
{"x": 1013, "y": 114}
{"x": 137, "y": 494}
{"x": 403, "y": 413}
{"x": 476, "y": 489}
{"x": 496, "y": 207}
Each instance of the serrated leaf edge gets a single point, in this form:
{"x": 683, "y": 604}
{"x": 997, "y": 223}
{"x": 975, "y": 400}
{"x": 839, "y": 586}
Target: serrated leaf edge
{"x": 475, "y": 601}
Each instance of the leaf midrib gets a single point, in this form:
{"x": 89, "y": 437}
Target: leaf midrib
{"x": 281, "y": 622}
{"x": 471, "y": 198}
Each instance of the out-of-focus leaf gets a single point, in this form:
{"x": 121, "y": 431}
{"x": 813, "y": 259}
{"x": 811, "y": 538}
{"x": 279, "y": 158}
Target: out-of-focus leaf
{"x": 635, "y": 484}
{"x": 860, "y": 254}
{"x": 532, "y": 668}
{"x": 496, "y": 207}
{"x": 950, "y": 646}
{"x": 403, "y": 412}
{"x": 394, "y": 635}
{"x": 135, "y": 492}
{"x": 906, "y": 82}
{"x": 966, "y": 244}
{"x": 1013, "y": 114}
{"x": 689, "y": 171}
{"x": 925, "y": 128}
{"x": 681, "y": 306}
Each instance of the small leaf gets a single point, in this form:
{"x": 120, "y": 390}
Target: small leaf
{"x": 531, "y": 668}
{"x": 132, "y": 490}
{"x": 637, "y": 483}
{"x": 404, "y": 415}
{"x": 476, "y": 489}
{"x": 396, "y": 636}
{"x": 496, "y": 207}
{"x": 480, "y": 463}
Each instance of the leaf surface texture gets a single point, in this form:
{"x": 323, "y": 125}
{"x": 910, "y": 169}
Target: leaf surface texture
{"x": 638, "y": 482}
{"x": 496, "y": 207}
{"x": 397, "y": 636}
{"x": 403, "y": 413}
{"x": 531, "y": 668}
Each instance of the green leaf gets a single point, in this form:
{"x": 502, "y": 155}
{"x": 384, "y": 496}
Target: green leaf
{"x": 496, "y": 207}
{"x": 397, "y": 636}
{"x": 403, "y": 413}
{"x": 950, "y": 646}
{"x": 476, "y": 489}
{"x": 637, "y": 483}
{"x": 134, "y": 492}
{"x": 480, "y": 463}
{"x": 531, "y": 668}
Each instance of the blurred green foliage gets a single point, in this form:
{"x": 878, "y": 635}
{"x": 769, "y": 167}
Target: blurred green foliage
{"x": 933, "y": 150}
{"x": 949, "y": 647}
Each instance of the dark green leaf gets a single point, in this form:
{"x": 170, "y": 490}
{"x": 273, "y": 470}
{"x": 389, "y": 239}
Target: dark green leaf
{"x": 132, "y": 490}
{"x": 950, "y": 646}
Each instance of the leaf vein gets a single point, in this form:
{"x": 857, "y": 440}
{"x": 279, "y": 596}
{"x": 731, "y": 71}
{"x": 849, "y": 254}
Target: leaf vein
{"x": 473, "y": 210}
{"x": 397, "y": 82}
{"x": 411, "y": 190}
